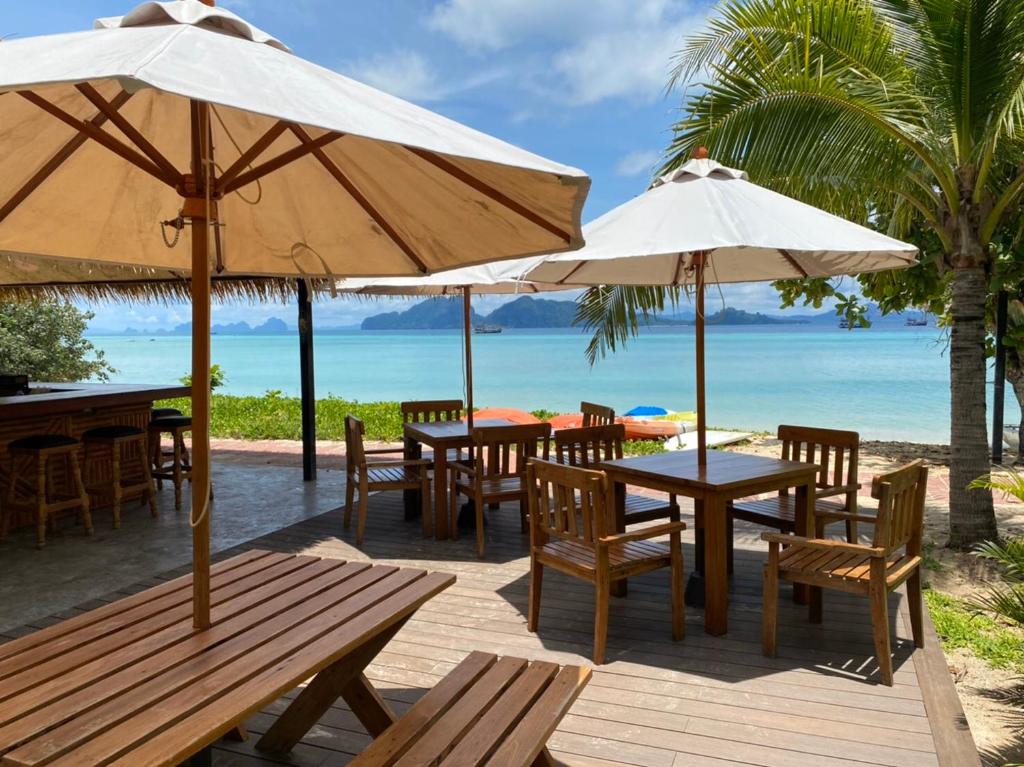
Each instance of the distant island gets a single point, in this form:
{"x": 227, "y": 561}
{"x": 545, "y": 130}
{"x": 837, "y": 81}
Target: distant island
{"x": 271, "y": 327}
{"x": 530, "y": 312}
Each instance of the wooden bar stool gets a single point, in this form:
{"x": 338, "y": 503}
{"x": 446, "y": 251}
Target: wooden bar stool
{"x": 40, "y": 452}
{"x": 118, "y": 442}
{"x": 180, "y": 468}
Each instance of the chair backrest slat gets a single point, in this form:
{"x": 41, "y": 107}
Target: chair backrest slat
{"x": 428, "y": 411}
{"x": 831, "y": 449}
{"x": 567, "y": 502}
{"x": 901, "y": 497}
{"x": 502, "y": 451}
{"x": 596, "y": 415}
{"x": 354, "y": 455}
{"x": 590, "y": 445}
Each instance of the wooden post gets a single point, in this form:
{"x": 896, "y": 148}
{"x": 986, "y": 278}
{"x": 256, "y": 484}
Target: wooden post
{"x": 307, "y": 382}
{"x": 702, "y": 438}
{"x": 197, "y": 209}
{"x": 467, "y": 329}
{"x": 999, "y": 390}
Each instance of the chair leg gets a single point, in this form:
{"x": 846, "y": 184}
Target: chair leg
{"x": 678, "y": 614}
{"x": 40, "y": 502}
{"x": 814, "y": 610}
{"x": 83, "y": 494}
{"x": 524, "y": 525}
{"x": 364, "y": 491}
{"x": 147, "y": 474}
{"x": 770, "y": 619}
{"x": 602, "y": 596}
{"x": 479, "y": 509}
{"x": 880, "y": 627}
{"x": 350, "y": 492}
{"x": 914, "y": 605}
{"x": 425, "y": 503}
{"x": 115, "y": 465}
{"x": 176, "y": 469}
{"x": 536, "y": 581}
{"x": 453, "y": 508}
{"x": 729, "y": 543}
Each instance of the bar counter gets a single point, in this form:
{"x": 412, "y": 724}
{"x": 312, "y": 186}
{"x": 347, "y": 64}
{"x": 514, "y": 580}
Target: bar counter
{"x": 72, "y": 409}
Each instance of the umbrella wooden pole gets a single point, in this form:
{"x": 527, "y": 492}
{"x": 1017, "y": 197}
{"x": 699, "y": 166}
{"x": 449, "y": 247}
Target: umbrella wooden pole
{"x": 467, "y": 329}
{"x": 197, "y": 209}
{"x": 702, "y": 439}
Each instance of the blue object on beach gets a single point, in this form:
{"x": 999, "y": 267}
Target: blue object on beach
{"x": 647, "y": 410}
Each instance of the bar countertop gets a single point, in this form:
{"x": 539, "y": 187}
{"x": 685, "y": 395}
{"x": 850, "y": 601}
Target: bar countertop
{"x": 53, "y": 398}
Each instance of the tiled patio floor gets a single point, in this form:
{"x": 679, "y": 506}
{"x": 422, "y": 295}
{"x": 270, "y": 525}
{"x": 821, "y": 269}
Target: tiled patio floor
{"x": 703, "y": 701}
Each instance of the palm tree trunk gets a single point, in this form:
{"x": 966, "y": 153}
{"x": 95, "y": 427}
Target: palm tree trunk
{"x": 971, "y": 516}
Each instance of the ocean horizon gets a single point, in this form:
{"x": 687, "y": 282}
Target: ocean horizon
{"x": 888, "y": 383}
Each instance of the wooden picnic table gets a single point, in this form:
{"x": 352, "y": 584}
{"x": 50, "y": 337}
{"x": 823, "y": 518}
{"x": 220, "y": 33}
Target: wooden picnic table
{"x": 726, "y": 477}
{"x": 133, "y": 683}
{"x": 440, "y": 436}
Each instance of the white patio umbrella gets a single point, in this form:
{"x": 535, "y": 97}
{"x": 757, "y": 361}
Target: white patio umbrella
{"x": 503, "y": 277}
{"x": 707, "y": 223}
{"x": 185, "y": 118}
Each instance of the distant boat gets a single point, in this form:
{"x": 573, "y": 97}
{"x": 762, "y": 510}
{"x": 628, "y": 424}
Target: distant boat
{"x": 916, "y": 322}
{"x": 487, "y": 329}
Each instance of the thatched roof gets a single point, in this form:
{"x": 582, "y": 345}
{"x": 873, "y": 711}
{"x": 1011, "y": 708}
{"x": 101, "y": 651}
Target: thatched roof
{"x": 25, "y": 279}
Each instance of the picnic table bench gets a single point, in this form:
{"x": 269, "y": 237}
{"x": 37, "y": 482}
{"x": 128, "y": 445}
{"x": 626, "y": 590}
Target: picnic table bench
{"x": 490, "y": 711}
{"x": 132, "y": 683}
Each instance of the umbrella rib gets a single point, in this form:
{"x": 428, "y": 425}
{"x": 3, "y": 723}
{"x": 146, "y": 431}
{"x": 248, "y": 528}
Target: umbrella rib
{"x": 358, "y": 196}
{"x": 489, "y": 191}
{"x": 55, "y": 162}
{"x": 128, "y": 129}
{"x": 101, "y": 137}
{"x": 250, "y": 154}
{"x": 793, "y": 262}
{"x": 285, "y": 158}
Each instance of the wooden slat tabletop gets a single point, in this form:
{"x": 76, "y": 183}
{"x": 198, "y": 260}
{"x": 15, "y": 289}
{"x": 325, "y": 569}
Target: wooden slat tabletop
{"x": 134, "y": 683}
{"x": 723, "y": 470}
{"x": 437, "y": 432}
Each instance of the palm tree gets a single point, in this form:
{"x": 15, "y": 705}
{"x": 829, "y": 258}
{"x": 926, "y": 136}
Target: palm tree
{"x": 907, "y": 111}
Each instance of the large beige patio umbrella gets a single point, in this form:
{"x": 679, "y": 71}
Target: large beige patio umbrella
{"x": 181, "y": 138}
{"x": 500, "y": 278}
{"x": 705, "y": 223}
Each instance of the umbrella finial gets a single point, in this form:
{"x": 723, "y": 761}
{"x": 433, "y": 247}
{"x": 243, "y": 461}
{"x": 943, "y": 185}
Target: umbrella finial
{"x": 700, "y": 153}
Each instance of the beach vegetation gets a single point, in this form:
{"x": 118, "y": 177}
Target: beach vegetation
{"x": 217, "y": 378}
{"x": 885, "y": 112}
{"x": 959, "y": 625}
{"x": 45, "y": 340}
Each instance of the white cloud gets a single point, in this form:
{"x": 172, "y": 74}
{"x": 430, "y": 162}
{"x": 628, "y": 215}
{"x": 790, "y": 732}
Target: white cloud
{"x": 403, "y": 73}
{"x": 603, "y": 48}
{"x": 639, "y": 163}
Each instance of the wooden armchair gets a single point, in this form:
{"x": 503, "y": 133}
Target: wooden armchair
{"x": 379, "y": 474}
{"x": 835, "y": 452}
{"x": 589, "y": 446}
{"x": 570, "y": 531}
{"x": 496, "y": 471}
{"x": 596, "y": 415}
{"x": 893, "y": 557}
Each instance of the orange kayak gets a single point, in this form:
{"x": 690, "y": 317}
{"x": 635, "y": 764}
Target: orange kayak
{"x": 508, "y": 413}
{"x": 641, "y": 428}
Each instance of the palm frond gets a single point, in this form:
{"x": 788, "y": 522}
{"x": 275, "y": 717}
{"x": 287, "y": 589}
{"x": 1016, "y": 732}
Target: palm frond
{"x": 614, "y": 314}
{"x": 1009, "y": 554}
{"x": 1011, "y": 484}
{"x": 1005, "y": 601}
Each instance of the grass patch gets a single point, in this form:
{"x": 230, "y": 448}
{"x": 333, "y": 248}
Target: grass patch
{"x": 995, "y": 643}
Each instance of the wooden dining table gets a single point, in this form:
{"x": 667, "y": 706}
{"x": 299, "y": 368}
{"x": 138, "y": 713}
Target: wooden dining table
{"x": 726, "y": 477}
{"x": 440, "y": 436}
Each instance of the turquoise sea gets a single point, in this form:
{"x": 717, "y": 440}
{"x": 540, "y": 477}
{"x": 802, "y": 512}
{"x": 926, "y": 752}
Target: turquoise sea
{"x": 886, "y": 383}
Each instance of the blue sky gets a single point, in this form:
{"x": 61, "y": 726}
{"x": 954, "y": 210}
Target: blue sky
{"x": 579, "y": 81}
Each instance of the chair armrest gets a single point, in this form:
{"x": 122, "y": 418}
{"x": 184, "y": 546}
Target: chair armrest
{"x": 458, "y": 467}
{"x": 821, "y": 543}
{"x": 409, "y": 462}
{"x": 641, "y": 535}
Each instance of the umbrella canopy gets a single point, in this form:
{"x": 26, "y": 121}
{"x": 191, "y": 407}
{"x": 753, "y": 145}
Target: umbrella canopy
{"x": 181, "y": 138}
{"x": 314, "y": 173}
{"x": 501, "y": 277}
{"x": 748, "y": 233}
{"x": 707, "y": 223}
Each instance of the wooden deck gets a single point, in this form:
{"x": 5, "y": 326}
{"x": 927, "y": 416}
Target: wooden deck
{"x": 703, "y": 702}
